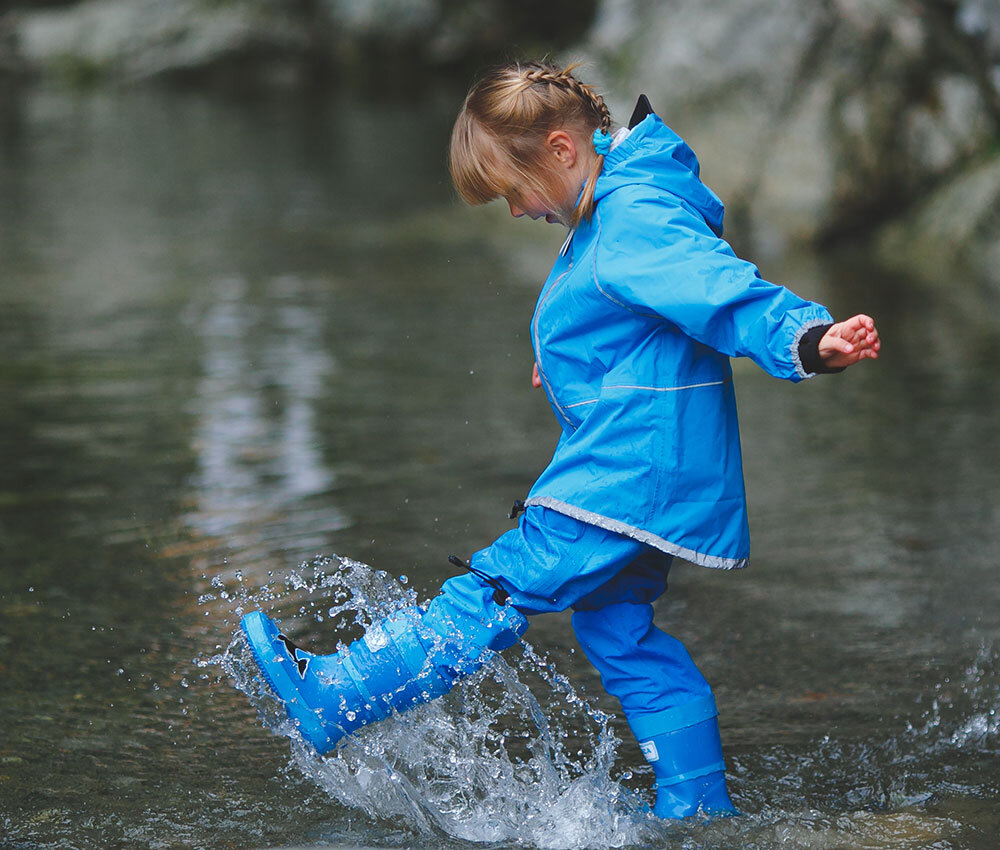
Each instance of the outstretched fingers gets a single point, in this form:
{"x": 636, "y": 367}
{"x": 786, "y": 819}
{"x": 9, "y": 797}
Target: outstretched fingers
{"x": 850, "y": 341}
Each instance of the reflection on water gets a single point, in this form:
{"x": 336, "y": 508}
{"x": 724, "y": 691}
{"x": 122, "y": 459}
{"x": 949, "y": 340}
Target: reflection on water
{"x": 257, "y": 443}
{"x": 237, "y": 336}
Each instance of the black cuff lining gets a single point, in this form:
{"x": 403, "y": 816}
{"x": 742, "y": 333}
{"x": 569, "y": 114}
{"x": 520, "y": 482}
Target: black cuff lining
{"x": 809, "y": 351}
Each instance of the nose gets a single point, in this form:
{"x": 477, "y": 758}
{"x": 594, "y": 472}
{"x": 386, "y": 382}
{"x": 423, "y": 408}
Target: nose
{"x": 515, "y": 210}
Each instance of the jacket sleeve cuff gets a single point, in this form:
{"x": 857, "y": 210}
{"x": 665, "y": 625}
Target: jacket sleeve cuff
{"x": 809, "y": 351}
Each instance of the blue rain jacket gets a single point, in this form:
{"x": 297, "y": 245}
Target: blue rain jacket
{"x": 633, "y": 331}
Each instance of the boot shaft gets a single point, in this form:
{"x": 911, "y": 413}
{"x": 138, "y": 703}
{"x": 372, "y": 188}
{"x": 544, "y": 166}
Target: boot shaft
{"x": 684, "y": 748}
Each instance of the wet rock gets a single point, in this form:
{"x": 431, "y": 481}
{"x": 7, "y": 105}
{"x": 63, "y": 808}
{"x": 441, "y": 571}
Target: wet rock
{"x": 817, "y": 120}
{"x": 955, "y": 230}
{"x": 286, "y": 40}
{"x": 138, "y": 39}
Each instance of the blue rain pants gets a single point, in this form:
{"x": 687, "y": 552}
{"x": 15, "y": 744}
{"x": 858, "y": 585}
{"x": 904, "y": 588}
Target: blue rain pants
{"x": 552, "y": 562}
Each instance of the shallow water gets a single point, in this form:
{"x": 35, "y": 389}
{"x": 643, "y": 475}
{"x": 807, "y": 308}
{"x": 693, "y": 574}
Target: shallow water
{"x": 238, "y": 337}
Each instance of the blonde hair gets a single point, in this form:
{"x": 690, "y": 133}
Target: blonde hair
{"x": 497, "y": 144}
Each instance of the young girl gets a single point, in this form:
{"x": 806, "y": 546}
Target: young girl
{"x": 632, "y": 333}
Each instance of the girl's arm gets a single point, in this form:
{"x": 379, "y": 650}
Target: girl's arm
{"x": 656, "y": 256}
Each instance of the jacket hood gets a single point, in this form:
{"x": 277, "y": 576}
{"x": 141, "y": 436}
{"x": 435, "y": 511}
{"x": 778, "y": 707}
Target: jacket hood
{"x": 654, "y": 155}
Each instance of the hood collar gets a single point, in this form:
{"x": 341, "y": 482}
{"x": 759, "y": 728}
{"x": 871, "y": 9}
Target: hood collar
{"x": 653, "y": 154}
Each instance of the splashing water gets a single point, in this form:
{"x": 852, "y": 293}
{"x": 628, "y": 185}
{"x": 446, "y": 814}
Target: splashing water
{"x": 512, "y": 753}
{"x": 965, "y": 713}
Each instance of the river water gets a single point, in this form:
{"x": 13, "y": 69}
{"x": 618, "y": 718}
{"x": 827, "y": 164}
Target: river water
{"x": 240, "y": 342}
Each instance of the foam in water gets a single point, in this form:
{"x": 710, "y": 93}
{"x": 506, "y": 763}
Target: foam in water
{"x": 512, "y": 753}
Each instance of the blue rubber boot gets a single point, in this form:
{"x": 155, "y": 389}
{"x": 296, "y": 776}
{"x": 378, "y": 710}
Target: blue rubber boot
{"x": 402, "y": 661}
{"x": 330, "y": 696}
{"x": 684, "y": 748}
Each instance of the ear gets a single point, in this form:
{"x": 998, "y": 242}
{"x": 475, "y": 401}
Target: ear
{"x": 561, "y": 145}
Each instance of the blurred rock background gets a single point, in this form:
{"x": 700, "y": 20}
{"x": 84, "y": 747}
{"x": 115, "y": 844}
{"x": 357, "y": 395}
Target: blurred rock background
{"x": 870, "y": 123}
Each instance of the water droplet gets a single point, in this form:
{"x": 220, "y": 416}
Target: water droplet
{"x": 403, "y": 580}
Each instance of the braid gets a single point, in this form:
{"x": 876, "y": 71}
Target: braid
{"x": 538, "y": 73}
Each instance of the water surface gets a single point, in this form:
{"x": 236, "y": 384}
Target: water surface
{"x": 238, "y": 337}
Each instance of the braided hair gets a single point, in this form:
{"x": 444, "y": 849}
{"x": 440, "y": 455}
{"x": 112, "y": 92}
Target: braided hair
{"x": 497, "y": 144}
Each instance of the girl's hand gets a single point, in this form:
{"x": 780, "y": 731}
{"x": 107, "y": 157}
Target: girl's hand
{"x": 849, "y": 342}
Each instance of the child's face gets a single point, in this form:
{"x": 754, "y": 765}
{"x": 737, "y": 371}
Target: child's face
{"x": 565, "y": 171}
{"x": 534, "y": 207}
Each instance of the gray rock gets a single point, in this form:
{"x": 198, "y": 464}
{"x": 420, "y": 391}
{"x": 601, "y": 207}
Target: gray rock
{"x": 816, "y": 120}
{"x": 140, "y": 39}
{"x": 955, "y": 230}
{"x": 389, "y": 19}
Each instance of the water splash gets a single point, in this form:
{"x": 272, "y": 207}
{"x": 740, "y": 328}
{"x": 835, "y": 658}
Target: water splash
{"x": 513, "y": 753}
{"x": 514, "y": 756}
{"x": 964, "y": 711}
